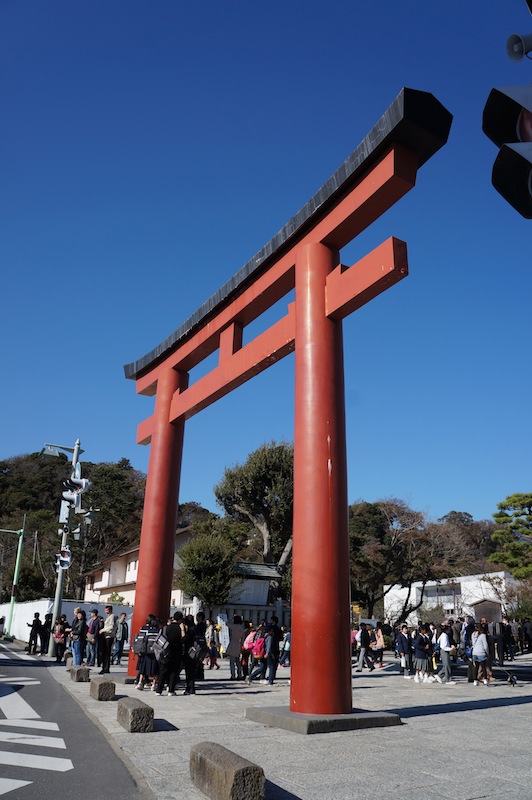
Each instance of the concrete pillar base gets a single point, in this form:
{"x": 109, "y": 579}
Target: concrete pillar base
{"x": 282, "y": 717}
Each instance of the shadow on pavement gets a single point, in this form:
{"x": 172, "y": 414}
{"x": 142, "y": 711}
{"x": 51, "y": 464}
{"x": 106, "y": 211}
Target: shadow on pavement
{"x": 160, "y": 725}
{"x": 468, "y": 705}
{"x": 274, "y": 792}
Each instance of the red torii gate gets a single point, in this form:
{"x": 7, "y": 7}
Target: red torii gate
{"x": 304, "y": 255}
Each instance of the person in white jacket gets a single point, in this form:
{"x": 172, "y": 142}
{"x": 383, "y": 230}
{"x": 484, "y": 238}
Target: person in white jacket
{"x": 481, "y": 652}
{"x": 445, "y": 675}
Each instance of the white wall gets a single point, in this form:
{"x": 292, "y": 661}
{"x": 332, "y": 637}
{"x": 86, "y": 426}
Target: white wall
{"x": 24, "y": 612}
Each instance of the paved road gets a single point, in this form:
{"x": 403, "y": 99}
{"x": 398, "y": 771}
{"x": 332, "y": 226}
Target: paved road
{"x": 457, "y": 742}
{"x": 48, "y": 745}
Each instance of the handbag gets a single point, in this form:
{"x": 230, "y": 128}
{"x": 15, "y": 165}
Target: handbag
{"x": 194, "y": 650}
{"x": 91, "y": 637}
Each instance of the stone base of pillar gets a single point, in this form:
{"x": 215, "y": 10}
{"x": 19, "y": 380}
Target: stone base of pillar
{"x": 282, "y": 717}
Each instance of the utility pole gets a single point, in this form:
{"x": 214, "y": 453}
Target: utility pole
{"x": 70, "y": 504}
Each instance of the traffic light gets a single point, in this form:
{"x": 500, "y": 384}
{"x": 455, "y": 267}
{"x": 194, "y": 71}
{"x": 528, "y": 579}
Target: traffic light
{"x": 73, "y": 488}
{"x": 63, "y": 559}
{"x": 507, "y": 121}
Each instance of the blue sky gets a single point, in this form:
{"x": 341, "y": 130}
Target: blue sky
{"x": 149, "y": 150}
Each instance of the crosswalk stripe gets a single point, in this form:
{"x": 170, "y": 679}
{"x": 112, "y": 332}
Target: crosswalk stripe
{"x": 9, "y": 785}
{"x": 12, "y": 705}
{"x": 35, "y": 741}
{"x": 38, "y": 724}
{"x": 36, "y": 762}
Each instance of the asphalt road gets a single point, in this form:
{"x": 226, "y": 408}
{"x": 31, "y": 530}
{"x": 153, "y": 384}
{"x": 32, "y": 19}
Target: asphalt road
{"x": 48, "y": 745}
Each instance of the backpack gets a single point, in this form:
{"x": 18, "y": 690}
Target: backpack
{"x": 161, "y": 646}
{"x": 248, "y": 641}
{"x": 139, "y": 644}
{"x": 259, "y": 647}
{"x": 151, "y": 638}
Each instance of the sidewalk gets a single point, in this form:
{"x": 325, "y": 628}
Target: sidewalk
{"x": 458, "y": 742}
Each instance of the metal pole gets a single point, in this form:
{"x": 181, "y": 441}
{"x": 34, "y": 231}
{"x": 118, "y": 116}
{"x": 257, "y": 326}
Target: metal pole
{"x": 58, "y": 599}
{"x": 16, "y": 573}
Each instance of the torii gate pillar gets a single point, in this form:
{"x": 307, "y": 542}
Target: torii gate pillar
{"x": 320, "y": 572}
{"x": 154, "y": 582}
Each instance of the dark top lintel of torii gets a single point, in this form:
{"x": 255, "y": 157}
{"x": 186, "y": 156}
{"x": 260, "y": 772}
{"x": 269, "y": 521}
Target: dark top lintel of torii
{"x": 415, "y": 120}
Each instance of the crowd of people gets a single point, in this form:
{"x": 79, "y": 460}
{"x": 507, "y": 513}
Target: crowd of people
{"x": 97, "y": 640}
{"x": 428, "y": 652}
{"x": 193, "y": 645}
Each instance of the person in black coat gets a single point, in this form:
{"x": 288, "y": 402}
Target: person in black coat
{"x": 189, "y": 662}
{"x": 403, "y": 645}
{"x": 170, "y": 665}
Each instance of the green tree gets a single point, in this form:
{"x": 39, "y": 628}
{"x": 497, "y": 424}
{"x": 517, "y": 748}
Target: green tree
{"x": 117, "y": 491}
{"x": 512, "y": 540}
{"x": 31, "y": 485}
{"x": 207, "y": 569}
{"x": 261, "y": 492}
{"x": 389, "y": 545}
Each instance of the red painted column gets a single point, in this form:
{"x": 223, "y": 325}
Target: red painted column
{"x": 157, "y": 538}
{"x": 320, "y": 655}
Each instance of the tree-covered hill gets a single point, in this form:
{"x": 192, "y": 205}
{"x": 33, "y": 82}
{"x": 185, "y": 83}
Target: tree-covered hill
{"x": 31, "y": 485}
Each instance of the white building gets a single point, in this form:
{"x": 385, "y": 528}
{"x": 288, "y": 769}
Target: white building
{"x": 487, "y": 595}
{"x": 117, "y": 576}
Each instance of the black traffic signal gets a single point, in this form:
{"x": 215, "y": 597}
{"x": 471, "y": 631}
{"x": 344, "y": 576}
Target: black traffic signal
{"x": 507, "y": 121}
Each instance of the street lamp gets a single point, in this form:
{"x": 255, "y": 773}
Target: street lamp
{"x": 70, "y": 503}
{"x": 20, "y": 534}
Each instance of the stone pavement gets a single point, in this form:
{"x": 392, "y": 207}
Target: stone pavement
{"x": 459, "y": 742}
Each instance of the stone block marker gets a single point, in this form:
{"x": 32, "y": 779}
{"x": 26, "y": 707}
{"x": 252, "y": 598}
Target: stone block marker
{"x": 68, "y": 658}
{"x": 80, "y": 674}
{"x": 134, "y": 715}
{"x": 102, "y": 688}
{"x": 223, "y": 775}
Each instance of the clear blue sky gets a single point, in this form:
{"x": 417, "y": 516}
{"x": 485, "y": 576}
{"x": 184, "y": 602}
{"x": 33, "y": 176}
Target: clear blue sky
{"x": 150, "y": 149}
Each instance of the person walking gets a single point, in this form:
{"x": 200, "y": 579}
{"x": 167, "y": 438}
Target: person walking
{"x": 422, "y": 652}
{"x": 259, "y": 656}
{"x": 285, "y": 648}
{"x": 444, "y": 643}
{"x": 363, "y": 658}
{"x": 480, "y": 654}
{"x": 378, "y": 645}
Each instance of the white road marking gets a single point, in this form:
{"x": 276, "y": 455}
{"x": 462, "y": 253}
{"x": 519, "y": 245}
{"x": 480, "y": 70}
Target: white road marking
{"x": 36, "y": 762}
{"x": 34, "y": 740}
{"x": 12, "y": 705}
{"x": 7, "y": 653}
{"x": 19, "y": 714}
{"x": 9, "y": 785}
{"x": 37, "y": 724}
{"x": 20, "y": 681}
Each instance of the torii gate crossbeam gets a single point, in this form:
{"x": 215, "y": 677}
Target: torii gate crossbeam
{"x": 304, "y": 256}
